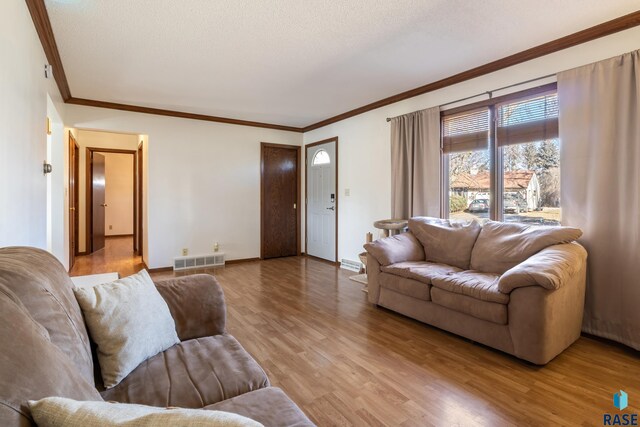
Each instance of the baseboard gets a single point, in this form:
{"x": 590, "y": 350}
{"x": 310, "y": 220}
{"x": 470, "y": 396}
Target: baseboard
{"x": 231, "y": 261}
{"x": 82, "y": 253}
{"x": 241, "y": 260}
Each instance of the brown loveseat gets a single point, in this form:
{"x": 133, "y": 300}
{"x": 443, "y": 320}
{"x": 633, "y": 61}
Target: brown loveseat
{"x": 516, "y": 288}
{"x": 45, "y": 350}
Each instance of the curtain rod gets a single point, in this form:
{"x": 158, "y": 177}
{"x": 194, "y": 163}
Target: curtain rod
{"x": 489, "y": 93}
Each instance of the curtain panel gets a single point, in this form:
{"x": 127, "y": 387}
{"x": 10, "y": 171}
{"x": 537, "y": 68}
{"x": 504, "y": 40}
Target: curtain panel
{"x": 415, "y": 164}
{"x": 600, "y": 152}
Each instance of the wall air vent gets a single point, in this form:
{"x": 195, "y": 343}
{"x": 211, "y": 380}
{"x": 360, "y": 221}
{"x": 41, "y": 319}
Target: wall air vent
{"x": 198, "y": 261}
{"x": 348, "y": 264}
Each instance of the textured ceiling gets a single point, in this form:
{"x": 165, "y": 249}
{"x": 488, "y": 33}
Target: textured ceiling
{"x": 294, "y": 62}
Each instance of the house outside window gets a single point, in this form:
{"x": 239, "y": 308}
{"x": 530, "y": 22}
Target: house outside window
{"x": 501, "y": 159}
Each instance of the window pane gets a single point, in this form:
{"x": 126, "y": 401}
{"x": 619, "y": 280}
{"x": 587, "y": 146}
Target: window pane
{"x": 469, "y": 185}
{"x": 532, "y": 183}
{"x": 321, "y": 158}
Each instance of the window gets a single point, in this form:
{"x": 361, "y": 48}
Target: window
{"x": 321, "y": 158}
{"x": 511, "y": 170}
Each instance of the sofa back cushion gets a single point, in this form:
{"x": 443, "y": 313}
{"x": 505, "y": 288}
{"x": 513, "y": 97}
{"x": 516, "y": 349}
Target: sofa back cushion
{"x": 501, "y": 246}
{"x": 444, "y": 241}
{"x": 399, "y": 248}
{"x": 31, "y": 366}
{"x": 44, "y": 287}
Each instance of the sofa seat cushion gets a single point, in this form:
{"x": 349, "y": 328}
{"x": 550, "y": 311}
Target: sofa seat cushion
{"x": 405, "y": 286}
{"x": 192, "y": 374}
{"x": 491, "y": 311}
{"x": 422, "y": 271}
{"x": 269, "y": 406}
{"x": 481, "y": 286}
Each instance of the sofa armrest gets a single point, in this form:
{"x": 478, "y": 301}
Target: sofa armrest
{"x": 399, "y": 248}
{"x": 196, "y": 303}
{"x": 550, "y": 268}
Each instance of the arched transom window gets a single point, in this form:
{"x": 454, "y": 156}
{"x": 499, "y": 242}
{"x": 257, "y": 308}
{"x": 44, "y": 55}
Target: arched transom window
{"x": 321, "y": 158}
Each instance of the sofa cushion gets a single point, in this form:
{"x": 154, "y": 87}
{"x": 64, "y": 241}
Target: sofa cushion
{"x": 405, "y": 286}
{"x": 501, "y": 246}
{"x": 481, "y": 286}
{"x": 129, "y": 322}
{"x": 44, "y": 287}
{"x": 422, "y": 271}
{"x": 444, "y": 241}
{"x": 31, "y": 366}
{"x": 485, "y": 310}
{"x": 192, "y": 374}
{"x": 269, "y": 406}
{"x": 58, "y": 411}
{"x": 401, "y": 247}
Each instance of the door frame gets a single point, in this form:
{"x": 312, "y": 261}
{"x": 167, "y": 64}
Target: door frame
{"x": 138, "y": 239}
{"x": 89, "y": 191}
{"x": 74, "y": 194}
{"x": 264, "y": 145}
{"x": 306, "y": 193}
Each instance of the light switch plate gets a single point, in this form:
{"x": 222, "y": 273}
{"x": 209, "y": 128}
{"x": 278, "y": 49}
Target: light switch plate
{"x": 347, "y": 192}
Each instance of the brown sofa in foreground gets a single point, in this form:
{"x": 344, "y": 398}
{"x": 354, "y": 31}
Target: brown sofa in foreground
{"x": 519, "y": 289}
{"x": 46, "y": 351}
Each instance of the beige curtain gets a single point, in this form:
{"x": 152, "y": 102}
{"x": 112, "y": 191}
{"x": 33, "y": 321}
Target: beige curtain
{"x": 600, "y": 152}
{"x": 415, "y": 164}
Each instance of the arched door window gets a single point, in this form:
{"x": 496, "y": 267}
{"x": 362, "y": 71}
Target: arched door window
{"x": 321, "y": 158}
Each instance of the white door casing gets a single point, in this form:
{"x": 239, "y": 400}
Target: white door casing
{"x": 321, "y": 201}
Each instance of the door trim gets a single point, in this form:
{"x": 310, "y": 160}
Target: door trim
{"x": 89, "y": 191}
{"x": 306, "y": 186}
{"x": 139, "y": 238}
{"x": 74, "y": 176}
{"x": 264, "y": 145}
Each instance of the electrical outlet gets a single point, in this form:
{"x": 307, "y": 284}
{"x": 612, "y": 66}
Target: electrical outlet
{"x": 185, "y": 251}
{"x": 111, "y": 227}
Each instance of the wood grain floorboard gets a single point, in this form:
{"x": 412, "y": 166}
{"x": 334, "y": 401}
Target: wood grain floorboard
{"x": 348, "y": 363}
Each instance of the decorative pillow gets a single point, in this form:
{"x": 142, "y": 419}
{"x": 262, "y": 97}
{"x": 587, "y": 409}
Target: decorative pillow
{"x": 502, "y": 246}
{"x": 58, "y": 412}
{"x": 444, "y": 241}
{"x": 129, "y": 322}
{"x": 398, "y": 248}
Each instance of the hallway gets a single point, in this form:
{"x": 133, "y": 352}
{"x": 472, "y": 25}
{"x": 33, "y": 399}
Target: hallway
{"x": 117, "y": 256}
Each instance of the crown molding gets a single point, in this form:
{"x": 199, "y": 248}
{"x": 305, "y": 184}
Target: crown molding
{"x": 180, "y": 114}
{"x": 40, "y": 18}
{"x": 606, "y": 28}
{"x": 42, "y": 25}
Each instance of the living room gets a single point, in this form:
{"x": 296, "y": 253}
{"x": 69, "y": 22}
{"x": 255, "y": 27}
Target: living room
{"x": 204, "y": 113}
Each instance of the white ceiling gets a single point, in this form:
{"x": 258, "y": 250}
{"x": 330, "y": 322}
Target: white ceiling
{"x": 294, "y": 62}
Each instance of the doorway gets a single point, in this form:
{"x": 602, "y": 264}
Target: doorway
{"x": 74, "y": 199}
{"x": 100, "y": 217}
{"x": 279, "y": 200}
{"x": 321, "y": 214}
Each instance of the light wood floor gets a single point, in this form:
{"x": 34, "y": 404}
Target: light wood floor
{"x": 346, "y": 362}
{"x": 117, "y": 256}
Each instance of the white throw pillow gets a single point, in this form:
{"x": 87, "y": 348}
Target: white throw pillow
{"x": 59, "y": 412}
{"x": 129, "y": 321}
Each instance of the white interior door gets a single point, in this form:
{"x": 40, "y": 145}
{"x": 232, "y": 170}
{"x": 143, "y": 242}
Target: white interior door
{"x": 321, "y": 201}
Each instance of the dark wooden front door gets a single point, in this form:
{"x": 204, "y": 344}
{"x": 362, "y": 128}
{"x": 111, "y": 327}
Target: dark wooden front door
{"x": 98, "y": 201}
{"x": 280, "y": 187}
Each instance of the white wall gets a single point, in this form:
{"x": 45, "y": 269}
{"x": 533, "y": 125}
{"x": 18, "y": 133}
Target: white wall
{"x": 57, "y": 202}
{"x": 203, "y": 181}
{"x": 23, "y": 138}
{"x": 118, "y": 191}
{"x": 96, "y": 139}
{"x": 364, "y": 150}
